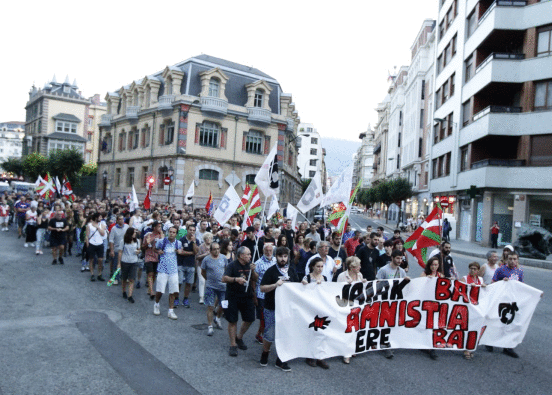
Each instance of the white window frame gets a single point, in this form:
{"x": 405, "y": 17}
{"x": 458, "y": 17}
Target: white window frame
{"x": 209, "y": 135}
{"x": 66, "y": 127}
{"x": 259, "y": 97}
{"x": 253, "y": 140}
{"x": 214, "y": 87}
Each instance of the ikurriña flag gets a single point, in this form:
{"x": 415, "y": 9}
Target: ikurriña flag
{"x": 427, "y": 235}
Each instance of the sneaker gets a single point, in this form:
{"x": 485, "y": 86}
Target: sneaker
{"x": 176, "y": 302}
{"x": 241, "y": 344}
{"x": 156, "y": 309}
{"x": 138, "y": 285}
{"x": 210, "y": 331}
{"x": 186, "y": 303}
{"x": 131, "y": 299}
{"x": 322, "y": 364}
{"x": 264, "y": 359}
{"x": 125, "y": 295}
{"x": 54, "y": 262}
{"x": 171, "y": 315}
{"x": 233, "y": 352}
{"x": 40, "y": 252}
{"x": 92, "y": 278}
{"x": 87, "y": 268}
{"x": 83, "y": 269}
{"x": 259, "y": 339}
{"x": 311, "y": 362}
{"x": 61, "y": 261}
{"x": 510, "y": 352}
{"x": 201, "y": 301}
{"x": 282, "y": 365}
{"x": 37, "y": 253}
{"x": 26, "y": 245}
{"x": 32, "y": 245}
{"x": 218, "y": 324}
{"x": 100, "y": 278}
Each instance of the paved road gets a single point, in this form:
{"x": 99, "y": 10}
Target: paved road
{"x": 62, "y": 334}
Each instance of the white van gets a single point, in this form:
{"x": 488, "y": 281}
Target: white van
{"x": 4, "y": 186}
{"x": 23, "y": 187}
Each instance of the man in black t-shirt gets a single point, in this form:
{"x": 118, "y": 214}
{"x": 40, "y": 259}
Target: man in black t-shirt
{"x": 368, "y": 256}
{"x": 57, "y": 227}
{"x": 275, "y": 276}
{"x": 290, "y": 233}
{"x": 448, "y": 264}
{"x": 267, "y": 238}
{"x": 239, "y": 276}
{"x": 250, "y": 242}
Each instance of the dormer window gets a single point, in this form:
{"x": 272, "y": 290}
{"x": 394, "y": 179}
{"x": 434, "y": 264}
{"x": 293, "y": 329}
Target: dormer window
{"x": 258, "y": 98}
{"x": 66, "y": 89}
{"x": 168, "y": 86}
{"x": 214, "y": 87}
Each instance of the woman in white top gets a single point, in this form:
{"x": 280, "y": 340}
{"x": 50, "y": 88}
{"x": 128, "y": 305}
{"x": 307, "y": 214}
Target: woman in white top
{"x": 128, "y": 258}
{"x": 351, "y": 275}
{"x": 30, "y": 220}
{"x": 95, "y": 233}
{"x": 488, "y": 269}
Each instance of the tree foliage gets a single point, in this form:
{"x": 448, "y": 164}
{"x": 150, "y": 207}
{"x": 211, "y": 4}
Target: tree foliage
{"x": 34, "y": 165}
{"x": 66, "y": 162}
{"x": 89, "y": 169}
{"x": 13, "y": 165}
{"x": 305, "y": 182}
{"x": 386, "y": 192}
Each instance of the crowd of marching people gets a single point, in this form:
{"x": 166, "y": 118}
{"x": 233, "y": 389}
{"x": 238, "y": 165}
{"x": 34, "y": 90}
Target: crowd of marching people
{"x": 235, "y": 271}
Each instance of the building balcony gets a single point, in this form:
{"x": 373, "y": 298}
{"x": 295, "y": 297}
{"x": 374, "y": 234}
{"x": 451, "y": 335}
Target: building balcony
{"x": 105, "y": 120}
{"x": 214, "y": 104}
{"x": 498, "y": 162}
{"x": 290, "y": 124}
{"x": 132, "y": 112}
{"x": 490, "y": 121}
{"x": 259, "y": 115}
{"x": 510, "y": 177}
{"x": 165, "y": 102}
{"x": 508, "y": 15}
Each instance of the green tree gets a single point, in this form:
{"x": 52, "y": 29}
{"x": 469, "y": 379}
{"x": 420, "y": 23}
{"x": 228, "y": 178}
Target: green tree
{"x": 66, "y": 162}
{"x": 35, "y": 165}
{"x": 89, "y": 169}
{"x": 399, "y": 189}
{"x": 13, "y": 165}
{"x": 305, "y": 182}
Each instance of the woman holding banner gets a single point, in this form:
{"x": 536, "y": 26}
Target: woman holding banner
{"x": 316, "y": 266}
{"x": 433, "y": 268}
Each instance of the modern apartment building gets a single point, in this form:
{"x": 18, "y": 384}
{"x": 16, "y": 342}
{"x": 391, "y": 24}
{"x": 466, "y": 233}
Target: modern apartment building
{"x": 311, "y": 156}
{"x": 205, "y": 120}
{"x": 363, "y": 160}
{"x": 492, "y": 139}
{"x": 11, "y": 140}
{"x": 380, "y": 140}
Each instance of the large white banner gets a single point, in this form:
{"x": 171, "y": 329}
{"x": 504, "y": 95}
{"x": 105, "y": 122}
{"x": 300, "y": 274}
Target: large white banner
{"x": 340, "y": 190}
{"x": 339, "y": 319}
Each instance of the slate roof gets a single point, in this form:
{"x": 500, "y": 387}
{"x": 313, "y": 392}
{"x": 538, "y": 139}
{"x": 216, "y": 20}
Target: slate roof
{"x": 227, "y": 63}
{"x": 66, "y": 117}
{"x": 66, "y": 136}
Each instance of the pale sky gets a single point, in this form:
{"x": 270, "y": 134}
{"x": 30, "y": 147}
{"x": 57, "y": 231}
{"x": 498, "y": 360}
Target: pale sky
{"x": 333, "y": 57}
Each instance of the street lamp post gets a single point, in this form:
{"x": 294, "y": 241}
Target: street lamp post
{"x": 170, "y": 172}
{"x": 104, "y": 176}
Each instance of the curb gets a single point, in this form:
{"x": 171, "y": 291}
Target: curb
{"x": 523, "y": 261}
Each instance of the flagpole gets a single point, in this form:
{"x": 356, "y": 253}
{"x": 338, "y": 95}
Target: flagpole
{"x": 257, "y": 241}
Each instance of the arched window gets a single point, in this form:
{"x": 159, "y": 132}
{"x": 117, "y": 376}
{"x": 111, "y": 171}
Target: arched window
{"x": 214, "y": 87}
{"x": 258, "y": 98}
{"x": 208, "y": 174}
{"x": 169, "y": 86}
{"x": 209, "y": 134}
{"x": 163, "y": 172}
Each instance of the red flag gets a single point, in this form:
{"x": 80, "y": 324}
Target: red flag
{"x": 147, "y": 202}
{"x": 427, "y": 235}
{"x": 337, "y": 213}
{"x": 209, "y": 207}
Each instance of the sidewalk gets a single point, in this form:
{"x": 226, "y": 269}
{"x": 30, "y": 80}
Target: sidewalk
{"x": 474, "y": 249}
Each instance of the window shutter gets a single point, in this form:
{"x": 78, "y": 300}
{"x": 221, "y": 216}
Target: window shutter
{"x": 244, "y": 143}
{"x": 198, "y": 126}
{"x": 129, "y": 141}
{"x": 267, "y": 145}
{"x": 161, "y": 134}
{"x": 223, "y": 137}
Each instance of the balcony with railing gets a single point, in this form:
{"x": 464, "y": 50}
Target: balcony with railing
{"x": 165, "y": 102}
{"x": 132, "y": 112}
{"x": 105, "y": 120}
{"x": 260, "y": 115}
{"x": 214, "y": 105}
{"x": 498, "y": 162}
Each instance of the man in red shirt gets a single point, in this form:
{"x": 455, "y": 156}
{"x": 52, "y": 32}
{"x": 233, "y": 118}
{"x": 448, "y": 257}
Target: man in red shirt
{"x": 495, "y": 230}
{"x": 352, "y": 243}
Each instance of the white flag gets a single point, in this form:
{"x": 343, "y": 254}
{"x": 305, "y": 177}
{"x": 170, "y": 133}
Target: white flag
{"x": 134, "y": 202}
{"x": 228, "y": 206}
{"x": 291, "y": 213}
{"x": 267, "y": 178}
{"x": 341, "y": 188}
{"x": 38, "y": 181}
{"x": 274, "y": 207}
{"x": 312, "y": 196}
{"x": 58, "y": 185}
{"x": 189, "y": 195}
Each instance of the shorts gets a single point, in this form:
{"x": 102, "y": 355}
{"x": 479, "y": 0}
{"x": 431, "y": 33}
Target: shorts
{"x": 94, "y": 251}
{"x": 21, "y": 221}
{"x": 56, "y": 242}
{"x": 241, "y": 305}
{"x": 186, "y": 274}
{"x": 128, "y": 271}
{"x": 211, "y": 294}
{"x": 163, "y": 279}
{"x": 270, "y": 325}
{"x": 151, "y": 267}
{"x": 259, "y": 308}
{"x": 4, "y": 220}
